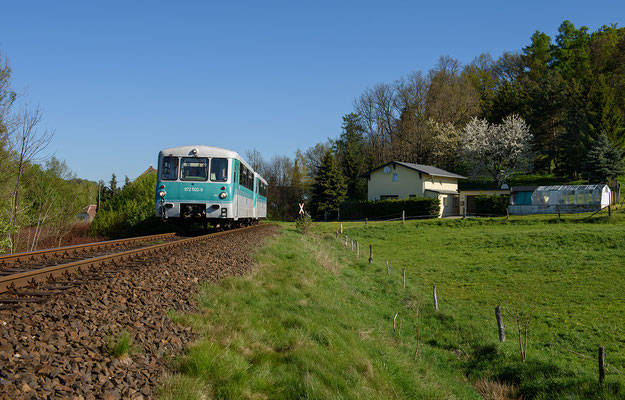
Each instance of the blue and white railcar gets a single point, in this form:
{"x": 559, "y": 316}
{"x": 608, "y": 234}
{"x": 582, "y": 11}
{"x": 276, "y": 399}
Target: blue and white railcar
{"x": 209, "y": 184}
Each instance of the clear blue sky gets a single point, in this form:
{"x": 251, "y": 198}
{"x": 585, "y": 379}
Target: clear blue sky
{"x": 120, "y": 80}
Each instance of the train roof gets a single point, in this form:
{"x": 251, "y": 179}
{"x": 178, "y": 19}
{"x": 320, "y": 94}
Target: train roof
{"x": 203, "y": 151}
{"x": 260, "y": 177}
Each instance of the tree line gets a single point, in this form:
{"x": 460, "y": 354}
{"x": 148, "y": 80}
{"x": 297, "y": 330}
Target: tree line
{"x": 556, "y": 106}
{"x": 40, "y": 196}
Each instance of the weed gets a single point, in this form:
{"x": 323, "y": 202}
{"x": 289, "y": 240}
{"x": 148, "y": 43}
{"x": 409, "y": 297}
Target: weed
{"x": 120, "y": 345}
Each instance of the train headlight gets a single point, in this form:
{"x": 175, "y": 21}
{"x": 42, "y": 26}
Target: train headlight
{"x": 162, "y": 193}
{"x": 223, "y": 195}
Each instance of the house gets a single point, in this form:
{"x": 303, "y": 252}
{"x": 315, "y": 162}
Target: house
{"x": 87, "y": 213}
{"x": 468, "y": 206}
{"x": 400, "y": 180}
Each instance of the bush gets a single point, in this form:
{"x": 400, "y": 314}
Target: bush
{"x": 418, "y": 206}
{"x": 130, "y": 212}
{"x": 491, "y": 205}
{"x": 304, "y": 225}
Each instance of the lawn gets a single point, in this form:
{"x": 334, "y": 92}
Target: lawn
{"x": 313, "y": 321}
{"x": 569, "y": 273}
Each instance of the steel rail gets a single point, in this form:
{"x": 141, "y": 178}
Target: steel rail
{"x": 21, "y": 279}
{"x": 8, "y": 259}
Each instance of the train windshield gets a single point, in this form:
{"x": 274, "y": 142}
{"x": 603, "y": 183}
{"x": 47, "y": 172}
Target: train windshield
{"x": 219, "y": 170}
{"x": 169, "y": 168}
{"x": 194, "y": 169}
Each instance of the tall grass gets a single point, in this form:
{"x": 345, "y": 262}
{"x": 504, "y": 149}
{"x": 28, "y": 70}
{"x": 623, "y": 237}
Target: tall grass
{"x": 309, "y": 323}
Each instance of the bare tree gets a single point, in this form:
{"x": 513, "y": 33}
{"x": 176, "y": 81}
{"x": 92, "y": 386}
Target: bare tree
{"x": 7, "y": 98}
{"x": 255, "y": 159}
{"x": 26, "y": 143}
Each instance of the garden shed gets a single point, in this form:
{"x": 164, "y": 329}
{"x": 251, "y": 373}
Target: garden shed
{"x": 561, "y": 199}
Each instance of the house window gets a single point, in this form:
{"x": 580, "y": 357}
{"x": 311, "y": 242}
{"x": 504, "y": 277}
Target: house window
{"x": 412, "y": 196}
{"x": 389, "y": 197}
{"x": 395, "y": 178}
{"x": 456, "y": 201}
{"x": 445, "y": 201}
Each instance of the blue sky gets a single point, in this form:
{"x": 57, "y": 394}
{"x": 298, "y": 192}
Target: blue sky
{"x": 118, "y": 81}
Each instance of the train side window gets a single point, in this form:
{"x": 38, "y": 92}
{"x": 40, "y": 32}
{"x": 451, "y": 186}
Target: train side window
{"x": 219, "y": 169}
{"x": 194, "y": 169}
{"x": 169, "y": 168}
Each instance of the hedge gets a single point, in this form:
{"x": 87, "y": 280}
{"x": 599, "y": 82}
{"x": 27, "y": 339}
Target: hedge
{"x": 417, "y": 206}
{"x": 491, "y": 205}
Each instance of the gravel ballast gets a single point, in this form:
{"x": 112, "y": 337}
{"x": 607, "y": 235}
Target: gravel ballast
{"x": 59, "y": 349}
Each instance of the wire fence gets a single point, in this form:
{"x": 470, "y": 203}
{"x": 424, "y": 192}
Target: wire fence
{"x": 602, "y": 364}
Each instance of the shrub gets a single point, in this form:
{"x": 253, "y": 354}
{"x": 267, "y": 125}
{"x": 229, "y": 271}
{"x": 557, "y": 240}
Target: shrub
{"x": 304, "y": 225}
{"x": 418, "y": 206}
{"x": 491, "y": 205}
{"x": 130, "y": 212}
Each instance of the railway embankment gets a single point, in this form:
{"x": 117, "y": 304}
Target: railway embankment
{"x": 63, "y": 348}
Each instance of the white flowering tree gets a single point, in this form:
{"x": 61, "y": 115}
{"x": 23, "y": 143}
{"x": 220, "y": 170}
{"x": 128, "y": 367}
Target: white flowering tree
{"x": 497, "y": 150}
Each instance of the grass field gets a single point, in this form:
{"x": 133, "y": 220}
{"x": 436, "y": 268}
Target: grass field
{"x": 315, "y": 322}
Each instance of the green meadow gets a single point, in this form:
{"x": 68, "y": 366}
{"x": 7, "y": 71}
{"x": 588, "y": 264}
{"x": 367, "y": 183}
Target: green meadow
{"x": 315, "y": 321}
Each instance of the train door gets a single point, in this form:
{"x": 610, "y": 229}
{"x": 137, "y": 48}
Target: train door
{"x": 235, "y": 196}
{"x": 255, "y": 196}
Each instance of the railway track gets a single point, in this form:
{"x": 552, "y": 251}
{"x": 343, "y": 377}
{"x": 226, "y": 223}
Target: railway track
{"x": 21, "y": 275}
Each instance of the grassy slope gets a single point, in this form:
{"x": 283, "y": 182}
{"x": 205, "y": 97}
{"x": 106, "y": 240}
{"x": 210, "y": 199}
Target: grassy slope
{"x": 311, "y": 323}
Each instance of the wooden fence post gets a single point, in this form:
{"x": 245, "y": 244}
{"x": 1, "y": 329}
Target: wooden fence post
{"x": 502, "y": 332}
{"x": 366, "y": 220}
{"x": 403, "y": 271}
{"x": 435, "y": 299}
{"x": 345, "y": 240}
{"x": 357, "y": 249}
{"x": 394, "y": 318}
{"x": 341, "y": 228}
{"x": 337, "y": 233}
{"x": 601, "y": 364}
{"x": 370, "y": 254}
{"x": 403, "y": 216}
{"x": 352, "y": 244}
{"x": 388, "y": 270}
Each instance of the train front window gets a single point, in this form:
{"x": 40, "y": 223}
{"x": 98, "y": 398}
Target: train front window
{"x": 219, "y": 170}
{"x": 194, "y": 169}
{"x": 169, "y": 168}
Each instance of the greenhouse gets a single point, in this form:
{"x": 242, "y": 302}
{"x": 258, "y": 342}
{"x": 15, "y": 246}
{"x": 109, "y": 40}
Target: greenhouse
{"x": 560, "y": 199}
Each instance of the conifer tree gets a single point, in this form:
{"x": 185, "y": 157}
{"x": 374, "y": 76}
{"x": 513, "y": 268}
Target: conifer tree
{"x": 604, "y": 161}
{"x": 329, "y": 189}
{"x": 351, "y": 154}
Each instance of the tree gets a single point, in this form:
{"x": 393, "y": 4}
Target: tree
{"x": 604, "y": 161}
{"x": 329, "y": 190}
{"x": 7, "y": 98}
{"x": 350, "y": 150}
{"x": 27, "y": 143}
{"x": 255, "y": 159}
{"x": 113, "y": 185}
{"x": 497, "y": 150}
{"x": 447, "y": 144}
